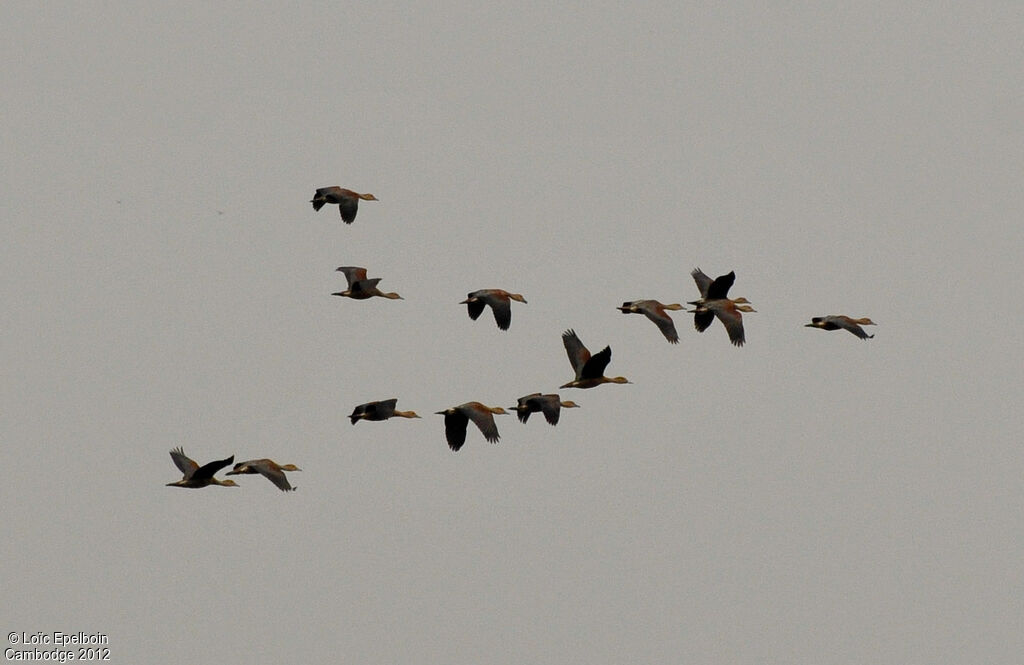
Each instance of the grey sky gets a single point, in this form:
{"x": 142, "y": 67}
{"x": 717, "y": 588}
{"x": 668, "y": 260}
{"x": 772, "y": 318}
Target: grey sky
{"x": 810, "y": 498}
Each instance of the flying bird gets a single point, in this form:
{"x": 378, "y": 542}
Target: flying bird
{"x": 500, "y": 302}
{"x": 550, "y": 405}
{"x": 195, "y": 476}
{"x": 361, "y": 288}
{"x": 381, "y": 410}
{"x": 347, "y": 200}
{"x": 728, "y": 312}
{"x": 457, "y": 418}
{"x": 714, "y": 301}
{"x": 655, "y": 311}
{"x": 589, "y": 369}
{"x": 837, "y": 321}
{"x": 270, "y": 469}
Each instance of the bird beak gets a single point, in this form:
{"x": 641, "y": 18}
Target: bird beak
{"x": 463, "y": 302}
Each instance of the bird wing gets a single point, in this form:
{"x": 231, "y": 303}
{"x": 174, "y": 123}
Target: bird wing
{"x": 663, "y": 321}
{"x": 273, "y": 473}
{"x": 502, "y": 311}
{"x": 594, "y": 368}
{"x": 185, "y": 465}
{"x": 365, "y": 284}
{"x": 207, "y": 470}
{"x": 733, "y": 322}
{"x": 485, "y": 421}
{"x": 475, "y": 307}
{"x": 851, "y": 326}
{"x": 348, "y": 206}
{"x": 385, "y": 408}
{"x": 578, "y": 354}
{"x": 702, "y": 280}
{"x": 455, "y": 429}
{"x": 702, "y": 319}
{"x": 720, "y": 287}
{"x": 551, "y": 406}
{"x": 353, "y": 274}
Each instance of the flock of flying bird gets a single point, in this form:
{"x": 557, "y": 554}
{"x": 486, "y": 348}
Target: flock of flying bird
{"x": 589, "y": 368}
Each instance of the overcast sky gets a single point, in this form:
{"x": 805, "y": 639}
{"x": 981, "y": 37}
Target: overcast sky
{"x": 809, "y": 498}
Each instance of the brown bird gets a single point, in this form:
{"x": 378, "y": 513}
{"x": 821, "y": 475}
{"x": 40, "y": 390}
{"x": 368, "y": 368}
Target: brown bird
{"x": 550, "y": 405}
{"x": 195, "y": 476}
{"x": 728, "y": 312}
{"x": 837, "y": 321}
{"x": 381, "y": 410}
{"x": 457, "y": 418}
{"x": 714, "y": 302}
{"x": 347, "y": 200}
{"x": 360, "y": 288}
{"x": 655, "y": 311}
{"x": 499, "y": 300}
{"x": 589, "y": 369}
{"x": 269, "y": 468}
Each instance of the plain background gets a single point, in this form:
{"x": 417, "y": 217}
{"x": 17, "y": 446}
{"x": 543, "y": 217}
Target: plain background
{"x": 809, "y": 498}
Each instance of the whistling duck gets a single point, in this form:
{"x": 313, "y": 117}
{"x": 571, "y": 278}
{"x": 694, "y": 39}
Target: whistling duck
{"x": 728, "y": 312}
{"x": 195, "y": 476}
{"x": 347, "y": 200}
{"x": 381, "y": 410}
{"x": 714, "y": 302}
{"x": 499, "y": 300}
{"x": 549, "y": 405}
{"x": 457, "y": 418}
{"x": 360, "y": 288}
{"x": 270, "y": 469}
{"x": 589, "y": 369}
{"x": 655, "y": 311}
{"x": 837, "y": 321}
